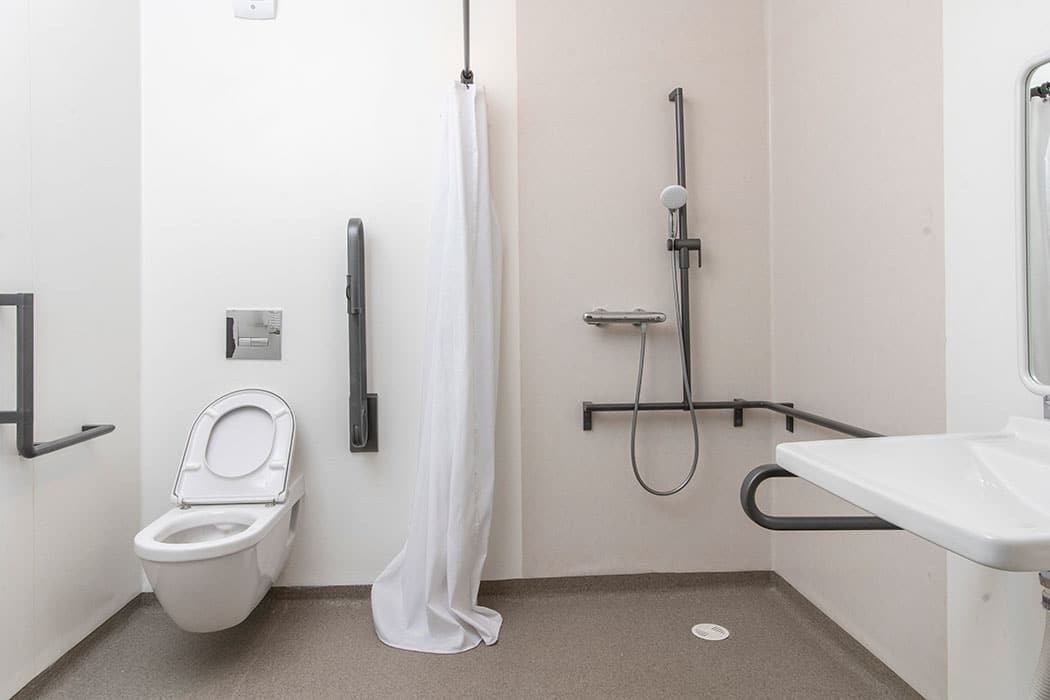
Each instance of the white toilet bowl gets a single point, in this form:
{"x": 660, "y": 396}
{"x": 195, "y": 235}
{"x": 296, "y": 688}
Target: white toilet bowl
{"x": 212, "y": 558}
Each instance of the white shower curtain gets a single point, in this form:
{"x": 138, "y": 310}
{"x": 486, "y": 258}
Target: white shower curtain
{"x": 426, "y": 599}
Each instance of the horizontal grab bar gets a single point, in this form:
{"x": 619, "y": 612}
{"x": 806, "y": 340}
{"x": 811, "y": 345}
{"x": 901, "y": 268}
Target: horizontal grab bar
{"x": 737, "y": 406}
{"x": 600, "y": 317}
{"x": 22, "y": 416}
{"x": 87, "y": 432}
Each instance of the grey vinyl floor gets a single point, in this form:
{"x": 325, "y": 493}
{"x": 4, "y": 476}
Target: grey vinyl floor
{"x": 601, "y": 637}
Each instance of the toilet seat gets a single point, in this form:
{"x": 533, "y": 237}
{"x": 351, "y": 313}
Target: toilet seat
{"x": 155, "y": 543}
{"x": 238, "y": 451}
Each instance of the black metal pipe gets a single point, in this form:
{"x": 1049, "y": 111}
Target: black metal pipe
{"x": 467, "y": 76}
{"x": 363, "y": 406}
{"x": 24, "y": 376}
{"x": 806, "y": 416}
{"x": 22, "y": 416}
{"x": 749, "y": 489}
{"x": 784, "y": 408}
{"x": 674, "y": 406}
{"x": 676, "y": 96}
{"x": 87, "y": 432}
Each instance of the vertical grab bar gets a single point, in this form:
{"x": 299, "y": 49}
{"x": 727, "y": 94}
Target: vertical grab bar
{"x": 363, "y": 406}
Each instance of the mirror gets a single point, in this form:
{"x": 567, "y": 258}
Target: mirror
{"x": 1035, "y": 268}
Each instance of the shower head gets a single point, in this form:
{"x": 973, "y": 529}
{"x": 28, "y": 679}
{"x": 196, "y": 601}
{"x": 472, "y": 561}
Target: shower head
{"x": 673, "y": 197}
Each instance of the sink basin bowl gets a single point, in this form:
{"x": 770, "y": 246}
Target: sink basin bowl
{"x": 983, "y": 496}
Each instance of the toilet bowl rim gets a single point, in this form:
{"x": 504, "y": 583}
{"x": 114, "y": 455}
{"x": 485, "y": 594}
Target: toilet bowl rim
{"x": 262, "y": 520}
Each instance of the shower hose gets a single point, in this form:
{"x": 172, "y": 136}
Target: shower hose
{"x": 685, "y": 386}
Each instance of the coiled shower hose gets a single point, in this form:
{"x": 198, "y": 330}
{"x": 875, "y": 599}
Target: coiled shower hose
{"x": 685, "y": 386}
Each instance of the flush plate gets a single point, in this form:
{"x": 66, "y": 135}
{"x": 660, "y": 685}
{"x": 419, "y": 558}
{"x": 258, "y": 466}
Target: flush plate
{"x": 253, "y": 334}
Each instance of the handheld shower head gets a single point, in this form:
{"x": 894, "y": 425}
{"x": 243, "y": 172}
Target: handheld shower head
{"x": 673, "y": 197}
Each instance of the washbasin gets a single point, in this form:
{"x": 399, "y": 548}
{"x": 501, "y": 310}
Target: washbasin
{"x": 984, "y": 496}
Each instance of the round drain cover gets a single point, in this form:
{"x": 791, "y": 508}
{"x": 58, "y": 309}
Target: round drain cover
{"x": 710, "y": 632}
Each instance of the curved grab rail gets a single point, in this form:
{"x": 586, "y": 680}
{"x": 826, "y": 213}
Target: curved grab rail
{"x": 749, "y": 489}
{"x": 22, "y": 416}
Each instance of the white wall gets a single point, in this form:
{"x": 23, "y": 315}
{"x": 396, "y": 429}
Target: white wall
{"x": 857, "y": 292}
{"x": 994, "y": 618}
{"x": 596, "y": 148}
{"x": 263, "y": 139}
{"x": 260, "y": 140}
{"x": 69, "y": 220}
{"x": 259, "y": 143}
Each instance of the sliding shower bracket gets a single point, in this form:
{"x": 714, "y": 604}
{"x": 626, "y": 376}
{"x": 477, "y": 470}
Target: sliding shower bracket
{"x": 22, "y": 416}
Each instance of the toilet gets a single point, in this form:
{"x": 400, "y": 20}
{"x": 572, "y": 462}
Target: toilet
{"x": 213, "y": 557}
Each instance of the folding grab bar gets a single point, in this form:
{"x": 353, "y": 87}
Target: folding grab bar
{"x": 22, "y": 416}
{"x": 754, "y": 479}
{"x": 364, "y": 423}
{"x": 749, "y": 489}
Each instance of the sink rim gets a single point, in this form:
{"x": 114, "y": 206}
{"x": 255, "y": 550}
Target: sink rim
{"x": 853, "y": 470}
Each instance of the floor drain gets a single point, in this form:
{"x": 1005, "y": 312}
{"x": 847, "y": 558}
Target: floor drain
{"x": 710, "y": 632}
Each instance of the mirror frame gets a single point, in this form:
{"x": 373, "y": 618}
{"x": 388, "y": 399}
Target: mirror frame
{"x": 1023, "y": 354}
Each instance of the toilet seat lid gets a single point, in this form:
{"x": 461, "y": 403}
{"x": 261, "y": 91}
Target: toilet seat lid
{"x": 239, "y": 451}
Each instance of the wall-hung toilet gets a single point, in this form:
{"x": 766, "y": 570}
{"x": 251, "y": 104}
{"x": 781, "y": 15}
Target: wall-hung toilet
{"x": 212, "y": 557}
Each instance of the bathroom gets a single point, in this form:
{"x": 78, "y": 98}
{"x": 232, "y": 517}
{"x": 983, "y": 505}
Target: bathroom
{"x": 852, "y": 173}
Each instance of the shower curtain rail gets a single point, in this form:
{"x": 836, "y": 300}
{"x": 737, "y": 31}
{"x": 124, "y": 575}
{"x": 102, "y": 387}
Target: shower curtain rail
{"x": 22, "y": 416}
{"x": 466, "y": 76}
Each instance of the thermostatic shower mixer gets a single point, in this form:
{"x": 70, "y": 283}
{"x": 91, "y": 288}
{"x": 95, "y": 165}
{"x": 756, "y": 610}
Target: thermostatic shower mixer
{"x": 601, "y": 317}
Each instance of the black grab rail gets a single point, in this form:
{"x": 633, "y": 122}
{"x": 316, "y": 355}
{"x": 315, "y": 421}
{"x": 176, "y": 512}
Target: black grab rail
{"x": 749, "y": 489}
{"x": 754, "y": 479}
{"x": 22, "y": 416}
{"x": 364, "y": 407}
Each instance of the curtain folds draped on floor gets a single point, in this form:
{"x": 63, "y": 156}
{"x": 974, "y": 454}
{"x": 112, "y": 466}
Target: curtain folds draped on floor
{"x": 426, "y": 599}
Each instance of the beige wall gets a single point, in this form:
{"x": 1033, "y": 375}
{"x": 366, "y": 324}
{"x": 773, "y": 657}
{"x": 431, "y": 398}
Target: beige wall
{"x": 596, "y": 147}
{"x": 858, "y": 291}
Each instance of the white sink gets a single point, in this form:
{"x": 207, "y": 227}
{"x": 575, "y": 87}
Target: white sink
{"x": 983, "y": 496}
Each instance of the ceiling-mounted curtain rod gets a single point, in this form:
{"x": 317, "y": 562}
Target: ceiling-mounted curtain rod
{"x": 467, "y": 76}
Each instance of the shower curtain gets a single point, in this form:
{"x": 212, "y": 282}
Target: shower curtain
{"x": 1039, "y": 240}
{"x": 426, "y": 598}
